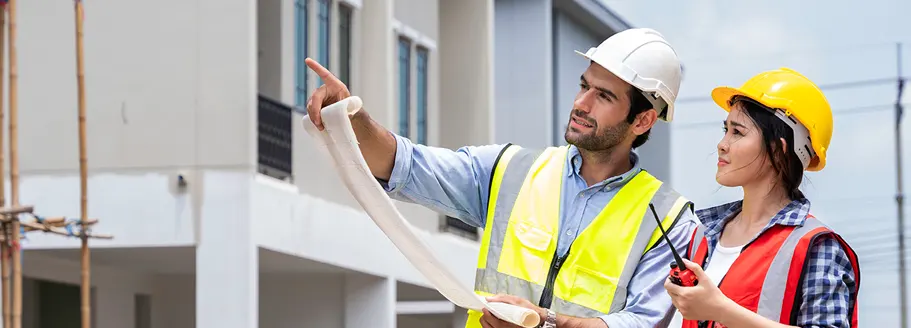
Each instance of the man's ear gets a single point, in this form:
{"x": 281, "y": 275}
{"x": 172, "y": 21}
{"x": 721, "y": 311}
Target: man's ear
{"x": 644, "y": 121}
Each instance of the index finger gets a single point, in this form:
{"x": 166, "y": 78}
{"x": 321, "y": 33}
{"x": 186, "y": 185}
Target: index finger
{"x": 672, "y": 289}
{"x": 323, "y": 73}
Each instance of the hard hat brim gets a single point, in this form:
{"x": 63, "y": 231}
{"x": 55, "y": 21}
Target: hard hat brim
{"x": 723, "y": 95}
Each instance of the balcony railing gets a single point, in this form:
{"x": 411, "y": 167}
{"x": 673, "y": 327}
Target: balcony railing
{"x": 274, "y": 130}
{"x": 457, "y": 227}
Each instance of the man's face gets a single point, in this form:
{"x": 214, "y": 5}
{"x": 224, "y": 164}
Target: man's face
{"x": 598, "y": 119}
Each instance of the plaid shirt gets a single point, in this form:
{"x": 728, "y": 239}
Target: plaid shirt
{"x": 829, "y": 281}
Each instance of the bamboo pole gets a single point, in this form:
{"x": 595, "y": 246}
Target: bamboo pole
{"x": 14, "y": 166}
{"x": 83, "y": 170}
{"x": 5, "y": 270}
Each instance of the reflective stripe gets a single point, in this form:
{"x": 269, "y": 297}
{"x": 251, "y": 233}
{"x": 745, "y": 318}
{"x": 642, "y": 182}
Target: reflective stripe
{"x": 773, "y": 287}
{"x": 575, "y": 310}
{"x": 489, "y": 280}
{"x": 664, "y": 200}
{"x": 698, "y": 237}
{"x": 496, "y": 178}
{"x": 515, "y": 173}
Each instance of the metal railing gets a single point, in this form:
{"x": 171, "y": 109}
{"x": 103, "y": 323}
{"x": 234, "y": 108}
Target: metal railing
{"x": 457, "y": 227}
{"x": 274, "y": 131}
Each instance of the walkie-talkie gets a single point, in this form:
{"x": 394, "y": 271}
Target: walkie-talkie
{"x": 680, "y": 275}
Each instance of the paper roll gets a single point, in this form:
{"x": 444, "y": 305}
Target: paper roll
{"x": 338, "y": 141}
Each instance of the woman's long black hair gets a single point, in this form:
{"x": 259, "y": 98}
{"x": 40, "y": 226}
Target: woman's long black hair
{"x": 784, "y": 161}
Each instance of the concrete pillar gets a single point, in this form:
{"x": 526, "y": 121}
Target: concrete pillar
{"x": 269, "y": 54}
{"x": 226, "y": 83}
{"x": 287, "y": 55}
{"x": 466, "y": 82}
{"x": 114, "y": 307}
{"x": 369, "y": 301}
{"x": 524, "y": 72}
{"x": 376, "y": 60}
{"x": 459, "y": 317}
{"x": 227, "y": 268}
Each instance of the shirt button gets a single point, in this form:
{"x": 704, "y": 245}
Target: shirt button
{"x": 569, "y": 233}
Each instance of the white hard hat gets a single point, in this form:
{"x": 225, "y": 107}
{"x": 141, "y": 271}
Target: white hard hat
{"x": 645, "y": 60}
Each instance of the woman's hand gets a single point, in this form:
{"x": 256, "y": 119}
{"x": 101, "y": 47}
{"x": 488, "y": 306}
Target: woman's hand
{"x": 701, "y": 302}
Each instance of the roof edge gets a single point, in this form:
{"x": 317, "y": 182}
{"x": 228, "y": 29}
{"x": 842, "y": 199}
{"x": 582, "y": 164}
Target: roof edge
{"x": 595, "y": 14}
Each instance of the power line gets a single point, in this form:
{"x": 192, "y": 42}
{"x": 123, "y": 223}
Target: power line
{"x": 839, "y": 50}
{"x": 842, "y": 111}
{"x": 826, "y": 87}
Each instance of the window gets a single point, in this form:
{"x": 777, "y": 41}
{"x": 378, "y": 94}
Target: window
{"x": 404, "y": 86}
{"x": 422, "y": 95}
{"x": 300, "y": 52}
{"x": 344, "y": 44}
{"x": 323, "y": 20}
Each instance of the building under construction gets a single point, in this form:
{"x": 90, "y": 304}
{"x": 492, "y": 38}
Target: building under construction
{"x": 224, "y": 213}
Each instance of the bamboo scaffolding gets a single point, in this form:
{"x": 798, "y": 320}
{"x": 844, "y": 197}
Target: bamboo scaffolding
{"x": 83, "y": 171}
{"x": 5, "y": 269}
{"x": 12, "y": 227}
{"x": 14, "y": 166}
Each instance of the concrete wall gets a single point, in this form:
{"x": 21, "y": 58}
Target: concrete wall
{"x": 524, "y": 72}
{"x": 314, "y": 228}
{"x": 421, "y": 15}
{"x": 114, "y": 292}
{"x": 170, "y": 95}
{"x": 466, "y": 46}
{"x": 272, "y": 34}
{"x": 568, "y": 66}
{"x": 138, "y": 209}
{"x": 301, "y": 300}
{"x": 287, "y": 300}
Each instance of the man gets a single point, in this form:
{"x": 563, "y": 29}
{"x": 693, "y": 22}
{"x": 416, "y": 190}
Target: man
{"x": 535, "y": 205}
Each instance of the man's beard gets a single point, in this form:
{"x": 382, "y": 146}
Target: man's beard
{"x": 598, "y": 139}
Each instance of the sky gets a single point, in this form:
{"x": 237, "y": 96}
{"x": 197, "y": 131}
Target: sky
{"x": 833, "y": 43}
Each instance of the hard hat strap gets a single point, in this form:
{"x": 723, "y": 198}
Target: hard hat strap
{"x": 658, "y": 103}
{"x": 803, "y": 146}
{"x": 802, "y": 143}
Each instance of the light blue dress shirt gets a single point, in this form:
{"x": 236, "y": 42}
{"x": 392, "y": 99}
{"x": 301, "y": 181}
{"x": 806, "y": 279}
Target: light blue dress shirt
{"x": 456, "y": 183}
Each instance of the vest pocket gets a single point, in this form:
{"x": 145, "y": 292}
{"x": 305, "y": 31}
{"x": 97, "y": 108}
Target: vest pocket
{"x": 534, "y": 243}
{"x": 533, "y": 237}
{"x": 592, "y": 289}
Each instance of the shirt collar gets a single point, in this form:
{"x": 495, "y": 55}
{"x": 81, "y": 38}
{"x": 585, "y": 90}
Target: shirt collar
{"x": 714, "y": 218}
{"x": 574, "y": 161}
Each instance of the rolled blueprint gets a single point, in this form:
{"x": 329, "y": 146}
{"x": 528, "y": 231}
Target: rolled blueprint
{"x": 339, "y": 142}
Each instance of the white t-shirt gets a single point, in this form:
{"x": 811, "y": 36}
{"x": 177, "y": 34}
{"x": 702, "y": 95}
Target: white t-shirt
{"x": 722, "y": 258}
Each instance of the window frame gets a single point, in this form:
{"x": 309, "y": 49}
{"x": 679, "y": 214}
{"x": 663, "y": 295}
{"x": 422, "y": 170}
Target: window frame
{"x": 301, "y": 39}
{"x": 403, "y": 58}
{"x": 345, "y": 41}
{"x": 323, "y": 34}
{"x": 422, "y": 68}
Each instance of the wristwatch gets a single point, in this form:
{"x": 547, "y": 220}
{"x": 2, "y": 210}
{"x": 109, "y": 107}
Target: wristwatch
{"x": 550, "y": 321}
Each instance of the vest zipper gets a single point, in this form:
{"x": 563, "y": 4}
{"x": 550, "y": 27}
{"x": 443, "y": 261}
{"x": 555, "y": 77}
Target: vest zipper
{"x": 547, "y": 296}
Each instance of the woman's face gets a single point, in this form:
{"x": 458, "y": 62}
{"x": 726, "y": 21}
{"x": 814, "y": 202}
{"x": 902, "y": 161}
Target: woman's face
{"x": 741, "y": 153}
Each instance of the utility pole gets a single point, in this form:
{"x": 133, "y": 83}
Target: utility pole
{"x": 899, "y": 196}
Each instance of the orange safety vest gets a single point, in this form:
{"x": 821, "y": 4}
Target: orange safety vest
{"x": 767, "y": 277}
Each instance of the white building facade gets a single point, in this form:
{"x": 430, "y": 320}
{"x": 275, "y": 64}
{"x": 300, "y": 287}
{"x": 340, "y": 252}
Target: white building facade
{"x": 224, "y": 213}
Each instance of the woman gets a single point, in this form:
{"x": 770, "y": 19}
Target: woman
{"x": 768, "y": 262}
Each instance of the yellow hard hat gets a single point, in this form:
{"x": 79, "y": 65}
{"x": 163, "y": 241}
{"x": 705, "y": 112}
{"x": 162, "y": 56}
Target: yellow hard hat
{"x": 796, "y": 97}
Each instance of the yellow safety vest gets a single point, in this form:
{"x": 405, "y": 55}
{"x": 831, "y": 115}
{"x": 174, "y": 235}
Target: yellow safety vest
{"x": 518, "y": 250}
